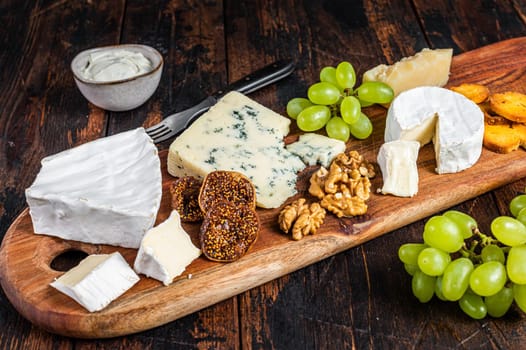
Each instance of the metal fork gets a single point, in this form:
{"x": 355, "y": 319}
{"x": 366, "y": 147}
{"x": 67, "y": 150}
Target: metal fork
{"x": 175, "y": 123}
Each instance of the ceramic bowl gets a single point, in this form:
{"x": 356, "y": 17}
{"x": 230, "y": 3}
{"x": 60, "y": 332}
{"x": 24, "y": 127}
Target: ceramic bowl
{"x": 119, "y": 95}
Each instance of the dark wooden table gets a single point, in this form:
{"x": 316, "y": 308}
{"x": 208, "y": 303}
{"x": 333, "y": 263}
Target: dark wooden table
{"x": 360, "y": 298}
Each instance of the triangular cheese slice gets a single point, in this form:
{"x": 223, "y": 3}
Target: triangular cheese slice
{"x": 107, "y": 191}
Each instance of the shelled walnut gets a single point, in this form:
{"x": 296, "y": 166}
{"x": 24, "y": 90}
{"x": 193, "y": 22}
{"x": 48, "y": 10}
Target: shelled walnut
{"x": 301, "y": 219}
{"x": 344, "y": 188}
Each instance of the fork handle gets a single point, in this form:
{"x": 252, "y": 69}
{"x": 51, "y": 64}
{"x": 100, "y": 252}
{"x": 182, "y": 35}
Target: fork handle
{"x": 260, "y": 78}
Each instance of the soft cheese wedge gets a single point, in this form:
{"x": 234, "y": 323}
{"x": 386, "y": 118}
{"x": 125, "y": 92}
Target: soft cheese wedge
{"x": 454, "y": 123}
{"x": 397, "y": 161}
{"x": 166, "y": 250}
{"x": 97, "y": 280}
{"x": 239, "y": 134}
{"x": 316, "y": 149}
{"x": 107, "y": 191}
{"x": 426, "y": 68}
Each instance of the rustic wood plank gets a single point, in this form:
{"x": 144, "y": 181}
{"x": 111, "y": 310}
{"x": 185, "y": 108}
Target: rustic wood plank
{"x": 25, "y": 257}
{"x": 41, "y": 110}
{"x": 367, "y": 331}
{"x": 190, "y": 36}
{"x": 369, "y": 325}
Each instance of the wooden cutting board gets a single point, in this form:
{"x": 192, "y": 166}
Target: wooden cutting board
{"x": 26, "y": 259}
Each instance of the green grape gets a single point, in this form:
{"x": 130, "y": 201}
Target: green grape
{"x": 345, "y": 75}
{"x": 519, "y": 295}
{"x": 328, "y": 75}
{"x": 408, "y": 253}
{"x": 473, "y": 306}
{"x": 350, "y": 109}
{"x": 313, "y": 118}
{"x": 521, "y": 216}
{"x": 455, "y": 280}
{"x": 492, "y": 253}
{"x": 508, "y": 230}
{"x": 441, "y": 232}
{"x": 296, "y": 105}
{"x": 516, "y": 264}
{"x": 365, "y": 103}
{"x": 338, "y": 129}
{"x": 423, "y": 286}
{"x": 411, "y": 269}
{"x": 438, "y": 289}
{"x": 488, "y": 278}
{"x": 498, "y": 304}
{"x": 466, "y": 223}
{"x": 375, "y": 91}
{"x": 433, "y": 261}
{"x": 363, "y": 127}
{"x": 323, "y": 93}
{"x": 517, "y": 203}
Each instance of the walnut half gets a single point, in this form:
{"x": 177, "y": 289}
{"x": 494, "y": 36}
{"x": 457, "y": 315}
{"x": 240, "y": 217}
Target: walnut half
{"x": 344, "y": 188}
{"x": 301, "y": 218}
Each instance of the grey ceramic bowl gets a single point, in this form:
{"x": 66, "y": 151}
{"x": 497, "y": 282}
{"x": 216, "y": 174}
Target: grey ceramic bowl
{"x": 119, "y": 95}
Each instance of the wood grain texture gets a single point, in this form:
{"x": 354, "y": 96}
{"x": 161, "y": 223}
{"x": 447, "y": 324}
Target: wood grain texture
{"x": 25, "y": 258}
{"x": 359, "y": 298}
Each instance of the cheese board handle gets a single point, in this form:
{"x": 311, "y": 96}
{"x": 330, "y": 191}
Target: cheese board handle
{"x": 260, "y": 78}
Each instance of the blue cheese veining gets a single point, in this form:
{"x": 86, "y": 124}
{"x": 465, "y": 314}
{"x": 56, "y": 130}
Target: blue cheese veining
{"x": 317, "y": 149}
{"x": 241, "y": 135}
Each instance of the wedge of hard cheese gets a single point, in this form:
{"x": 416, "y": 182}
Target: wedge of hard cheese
{"x": 426, "y": 68}
{"x": 239, "y": 134}
{"x": 106, "y": 191}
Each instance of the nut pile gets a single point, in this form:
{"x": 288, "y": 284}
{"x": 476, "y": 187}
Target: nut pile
{"x": 343, "y": 189}
{"x": 226, "y": 202}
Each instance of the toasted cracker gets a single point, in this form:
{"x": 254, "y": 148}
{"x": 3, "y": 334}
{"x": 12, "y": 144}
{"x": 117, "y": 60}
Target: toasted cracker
{"x": 511, "y": 105}
{"x": 475, "y": 92}
{"x": 504, "y": 138}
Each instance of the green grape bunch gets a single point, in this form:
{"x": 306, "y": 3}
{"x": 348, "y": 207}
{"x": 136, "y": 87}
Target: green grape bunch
{"x": 456, "y": 262}
{"x": 333, "y": 103}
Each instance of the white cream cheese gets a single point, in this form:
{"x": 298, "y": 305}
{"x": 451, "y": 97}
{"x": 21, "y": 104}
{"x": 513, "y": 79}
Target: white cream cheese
{"x": 97, "y": 280}
{"x": 113, "y": 65}
{"x": 397, "y": 160}
{"x": 166, "y": 250}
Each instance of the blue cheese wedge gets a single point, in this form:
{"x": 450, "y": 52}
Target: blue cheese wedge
{"x": 316, "y": 149}
{"x": 97, "y": 280}
{"x": 166, "y": 250}
{"x": 451, "y": 121}
{"x": 398, "y": 164}
{"x": 239, "y": 134}
{"x": 107, "y": 191}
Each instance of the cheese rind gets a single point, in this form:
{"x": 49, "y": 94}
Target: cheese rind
{"x": 107, "y": 191}
{"x": 398, "y": 164}
{"x": 426, "y": 68}
{"x": 316, "y": 149}
{"x": 166, "y": 250}
{"x": 239, "y": 134}
{"x": 97, "y": 280}
{"x": 454, "y": 124}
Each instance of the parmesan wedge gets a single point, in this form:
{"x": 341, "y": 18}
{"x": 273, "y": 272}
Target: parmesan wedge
{"x": 427, "y": 68}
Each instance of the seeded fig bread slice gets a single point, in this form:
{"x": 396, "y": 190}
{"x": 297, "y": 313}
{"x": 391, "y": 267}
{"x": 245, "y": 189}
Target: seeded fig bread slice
{"x": 228, "y": 231}
{"x": 229, "y": 186}
{"x": 185, "y": 198}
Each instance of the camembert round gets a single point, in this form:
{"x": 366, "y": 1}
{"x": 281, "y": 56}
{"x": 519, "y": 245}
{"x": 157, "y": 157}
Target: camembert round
{"x": 454, "y": 124}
